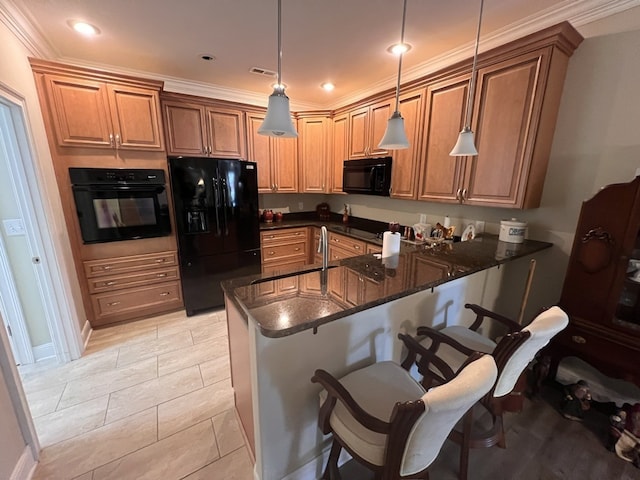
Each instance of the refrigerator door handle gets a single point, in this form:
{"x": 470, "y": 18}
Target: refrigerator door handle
{"x": 225, "y": 204}
{"x": 216, "y": 204}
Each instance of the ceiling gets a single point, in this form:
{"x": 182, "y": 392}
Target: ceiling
{"x": 342, "y": 41}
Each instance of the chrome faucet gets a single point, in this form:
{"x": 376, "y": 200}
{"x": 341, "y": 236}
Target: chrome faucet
{"x": 323, "y": 247}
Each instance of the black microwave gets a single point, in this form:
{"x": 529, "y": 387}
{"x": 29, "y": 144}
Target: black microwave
{"x": 368, "y": 176}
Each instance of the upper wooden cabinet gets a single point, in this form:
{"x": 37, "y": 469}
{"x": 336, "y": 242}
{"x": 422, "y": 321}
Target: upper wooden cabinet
{"x": 405, "y": 162}
{"x": 197, "y": 129}
{"x": 313, "y": 148}
{"x": 516, "y": 104}
{"x": 339, "y": 152}
{"x": 277, "y": 158}
{"x": 366, "y": 128}
{"x": 93, "y": 110}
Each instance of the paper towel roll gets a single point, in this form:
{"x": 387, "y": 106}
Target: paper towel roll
{"x": 390, "y": 244}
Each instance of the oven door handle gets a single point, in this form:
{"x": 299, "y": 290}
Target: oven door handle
{"x": 372, "y": 178}
{"x": 216, "y": 204}
{"x": 118, "y": 188}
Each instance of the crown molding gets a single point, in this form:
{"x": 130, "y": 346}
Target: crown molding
{"x": 25, "y": 30}
{"x": 576, "y": 12}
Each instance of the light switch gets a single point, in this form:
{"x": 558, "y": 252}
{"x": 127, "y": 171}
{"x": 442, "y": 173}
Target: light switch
{"x": 13, "y": 227}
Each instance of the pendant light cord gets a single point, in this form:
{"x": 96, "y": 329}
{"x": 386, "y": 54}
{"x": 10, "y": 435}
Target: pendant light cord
{"x": 280, "y": 45}
{"x": 404, "y": 15}
{"x": 472, "y": 85}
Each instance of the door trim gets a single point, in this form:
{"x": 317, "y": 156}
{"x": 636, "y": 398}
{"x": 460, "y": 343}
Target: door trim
{"x": 54, "y": 289}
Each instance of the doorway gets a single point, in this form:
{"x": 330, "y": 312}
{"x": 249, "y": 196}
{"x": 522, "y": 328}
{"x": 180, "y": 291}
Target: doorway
{"x": 33, "y": 300}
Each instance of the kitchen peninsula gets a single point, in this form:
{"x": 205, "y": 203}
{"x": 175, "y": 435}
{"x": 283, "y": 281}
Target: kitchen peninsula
{"x": 277, "y": 342}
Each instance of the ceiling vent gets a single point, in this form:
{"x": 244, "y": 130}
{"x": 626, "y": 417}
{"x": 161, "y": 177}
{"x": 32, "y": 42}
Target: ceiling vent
{"x": 263, "y": 71}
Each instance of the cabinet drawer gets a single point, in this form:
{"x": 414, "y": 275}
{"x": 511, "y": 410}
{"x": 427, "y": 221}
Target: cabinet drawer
{"x": 286, "y": 235}
{"x": 355, "y": 247}
{"x": 292, "y": 251}
{"x": 136, "y": 299}
{"x": 118, "y": 282}
{"x": 135, "y": 263}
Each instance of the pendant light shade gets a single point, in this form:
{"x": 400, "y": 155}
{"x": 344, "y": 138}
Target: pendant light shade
{"x": 465, "y": 146}
{"x": 395, "y": 137}
{"x": 277, "y": 122}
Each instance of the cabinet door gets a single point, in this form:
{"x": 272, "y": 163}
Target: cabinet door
{"x": 440, "y": 175}
{"x": 506, "y": 100}
{"x": 260, "y": 152}
{"x": 136, "y": 117}
{"x": 185, "y": 128}
{"x": 340, "y": 152}
{"x": 226, "y": 133}
{"x": 405, "y": 162}
{"x": 80, "y": 112}
{"x": 378, "y": 119}
{"x": 358, "y": 133}
{"x": 313, "y": 142}
{"x": 285, "y": 164}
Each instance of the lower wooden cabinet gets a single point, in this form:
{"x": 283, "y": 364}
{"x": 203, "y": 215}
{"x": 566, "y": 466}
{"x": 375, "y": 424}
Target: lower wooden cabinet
{"x": 130, "y": 287}
{"x": 134, "y": 302}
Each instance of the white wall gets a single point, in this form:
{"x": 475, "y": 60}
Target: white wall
{"x": 11, "y": 440}
{"x": 17, "y": 77}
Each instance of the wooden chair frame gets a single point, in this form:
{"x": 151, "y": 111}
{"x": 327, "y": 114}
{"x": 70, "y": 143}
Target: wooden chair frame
{"x": 403, "y": 417}
{"x": 423, "y": 359}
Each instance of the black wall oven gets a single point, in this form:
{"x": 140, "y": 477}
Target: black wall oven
{"x": 367, "y": 176}
{"x": 120, "y": 204}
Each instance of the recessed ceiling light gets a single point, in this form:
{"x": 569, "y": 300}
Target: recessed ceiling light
{"x": 84, "y": 28}
{"x": 328, "y": 86}
{"x": 398, "y": 48}
{"x": 208, "y": 57}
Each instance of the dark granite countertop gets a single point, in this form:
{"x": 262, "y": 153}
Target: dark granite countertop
{"x": 358, "y": 283}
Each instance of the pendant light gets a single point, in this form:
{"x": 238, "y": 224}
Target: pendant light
{"x": 465, "y": 146}
{"x": 277, "y": 122}
{"x": 395, "y": 137}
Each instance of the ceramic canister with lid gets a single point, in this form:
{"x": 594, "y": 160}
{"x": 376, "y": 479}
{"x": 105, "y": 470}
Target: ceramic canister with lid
{"x": 512, "y": 231}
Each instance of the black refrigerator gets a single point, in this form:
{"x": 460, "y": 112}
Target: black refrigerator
{"x": 216, "y": 214}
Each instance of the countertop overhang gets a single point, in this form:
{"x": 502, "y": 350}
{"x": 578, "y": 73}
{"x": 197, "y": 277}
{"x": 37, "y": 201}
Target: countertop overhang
{"x": 368, "y": 281}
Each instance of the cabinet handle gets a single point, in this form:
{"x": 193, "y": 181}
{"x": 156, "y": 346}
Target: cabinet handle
{"x": 111, "y": 140}
{"x": 579, "y": 339}
{"x": 464, "y": 195}
{"x": 204, "y": 149}
{"x": 298, "y": 233}
{"x": 459, "y": 195}
{"x": 297, "y": 249}
{"x": 164, "y": 294}
{"x": 112, "y": 304}
{"x": 107, "y": 267}
{"x": 161, "y": 275}
{"x": 276, "y": 187}
{"x": 118, "y": 141}
{"x": 272, "y": 252}
{"x": 160, "y": 260}
{"x": 108, "y": 284}
{"x": 357, "y": 247}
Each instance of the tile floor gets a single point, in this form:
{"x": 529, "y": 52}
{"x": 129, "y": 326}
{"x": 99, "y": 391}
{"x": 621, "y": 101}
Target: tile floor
{"x": 150, "y": 399}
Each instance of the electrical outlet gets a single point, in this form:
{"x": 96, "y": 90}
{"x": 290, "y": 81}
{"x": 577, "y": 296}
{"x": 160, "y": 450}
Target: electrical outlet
{"x": 14, "y": 227}
{"x": 300, "y": 206}
{"x": 423, "y": 218}
{"x": 479, "y": 226}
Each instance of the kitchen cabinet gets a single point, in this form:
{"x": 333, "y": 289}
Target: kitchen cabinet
{"x": 88, "y": 111}
{"x": 132, "y": 286}
{"x": 601, "y": 291}
{"x": 405, "y": 162}
{"x": 203, "y": 130}
{"x": 277, "y": 158}
{"x": 366, "y": 128}
{"x": 282, "y": 251}
{"x": 313, "y": 148}
{"x": 514, "y": 115}
{"x": 339, "y": 152}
